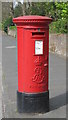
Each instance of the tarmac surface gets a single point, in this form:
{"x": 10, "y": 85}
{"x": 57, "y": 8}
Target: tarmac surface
{"x": 0, "y": 75}
{"x": 57, "y": 83}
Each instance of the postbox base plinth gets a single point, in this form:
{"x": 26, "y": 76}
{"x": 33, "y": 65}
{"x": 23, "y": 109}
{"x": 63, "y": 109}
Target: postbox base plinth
{"x": 33, "y": 103}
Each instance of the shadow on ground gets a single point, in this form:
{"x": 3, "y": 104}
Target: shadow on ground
{"x": 58, "y": 101}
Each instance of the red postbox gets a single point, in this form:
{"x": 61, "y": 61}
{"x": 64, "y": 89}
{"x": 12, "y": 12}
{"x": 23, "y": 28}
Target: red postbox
{"x": 33, "y": 56}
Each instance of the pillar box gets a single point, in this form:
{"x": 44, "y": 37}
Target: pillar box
{"x": 33, "y": 57}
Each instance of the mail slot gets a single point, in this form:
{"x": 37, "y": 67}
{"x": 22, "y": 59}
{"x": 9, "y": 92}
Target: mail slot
{"x": 33, "y": 57}
{"x": 37, "y": 33}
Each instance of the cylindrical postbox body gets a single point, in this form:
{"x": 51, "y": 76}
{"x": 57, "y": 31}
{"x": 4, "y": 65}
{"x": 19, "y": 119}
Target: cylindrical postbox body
{"x": 33, "y": 56}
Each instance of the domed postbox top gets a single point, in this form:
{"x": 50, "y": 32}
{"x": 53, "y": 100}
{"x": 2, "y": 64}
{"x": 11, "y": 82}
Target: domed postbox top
{"x": 32, "y": 19}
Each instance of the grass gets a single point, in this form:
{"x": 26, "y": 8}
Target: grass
{"x": 12, "y": 27}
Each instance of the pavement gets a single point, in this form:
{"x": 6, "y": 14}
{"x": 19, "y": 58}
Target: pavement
{"x": 57, "y": 83}
{"x": 0, "y": 75}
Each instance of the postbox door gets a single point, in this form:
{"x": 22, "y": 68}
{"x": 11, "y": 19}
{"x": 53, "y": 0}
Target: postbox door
{"x": 35, "y": 65}
{"x": 40, "y": 76}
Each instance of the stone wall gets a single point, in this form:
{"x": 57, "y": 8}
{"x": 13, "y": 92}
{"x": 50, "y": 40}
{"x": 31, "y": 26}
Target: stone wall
{"x": 12, "y": 32}
{"x": 57, "y": 42}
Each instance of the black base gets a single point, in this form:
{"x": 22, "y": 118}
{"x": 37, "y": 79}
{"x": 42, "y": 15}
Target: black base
{"x": 33, "y": 103}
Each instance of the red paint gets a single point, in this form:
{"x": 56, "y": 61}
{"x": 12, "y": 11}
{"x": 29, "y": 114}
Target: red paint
{"x": 32, "y": 69}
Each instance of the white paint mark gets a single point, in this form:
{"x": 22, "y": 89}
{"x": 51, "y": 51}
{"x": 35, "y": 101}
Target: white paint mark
{"x": 10, "y": 47}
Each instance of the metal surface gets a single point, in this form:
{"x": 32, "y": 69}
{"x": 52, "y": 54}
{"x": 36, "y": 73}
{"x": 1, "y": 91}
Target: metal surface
{"x": 32, "y": 59}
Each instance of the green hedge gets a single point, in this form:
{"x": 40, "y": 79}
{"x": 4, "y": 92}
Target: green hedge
{"x": 59, "y": 26}
{"x": 12, "y": 27}
{"x": 8, "y": 22}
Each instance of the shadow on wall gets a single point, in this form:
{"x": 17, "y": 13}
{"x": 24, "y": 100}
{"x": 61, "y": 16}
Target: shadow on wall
{"x": 58, "y": 101}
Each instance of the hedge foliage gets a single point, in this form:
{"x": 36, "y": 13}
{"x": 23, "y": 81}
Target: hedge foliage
{"x": 5, "y": 24}
{"x": 59, "y": 26}
{"x": 58, "y": 11}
